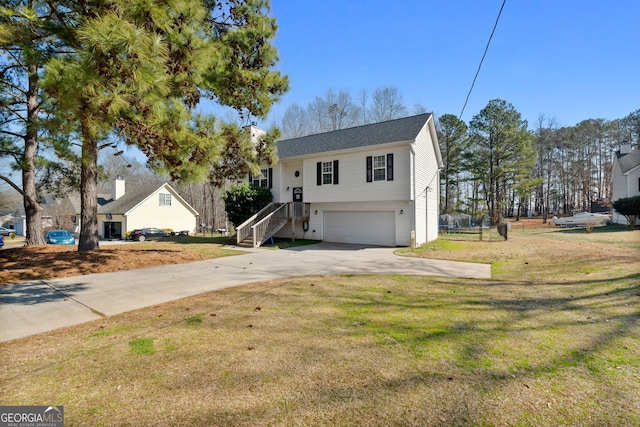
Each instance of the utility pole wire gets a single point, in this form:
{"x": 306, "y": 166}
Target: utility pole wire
{"x": 482, "y": 60}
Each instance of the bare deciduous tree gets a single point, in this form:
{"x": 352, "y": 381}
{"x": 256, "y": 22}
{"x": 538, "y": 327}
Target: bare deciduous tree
{"x": 387, "y": 104}
{"x": 338, "y": 110}
{"x": 295, "y": 122}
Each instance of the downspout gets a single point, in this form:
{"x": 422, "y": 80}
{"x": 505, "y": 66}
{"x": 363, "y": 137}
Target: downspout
{"x": 415, "y": 200}
{"x": 426, "y": 212}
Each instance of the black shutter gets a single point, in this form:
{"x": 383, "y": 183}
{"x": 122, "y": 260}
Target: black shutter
{"x": 335, "y": 171}
{"x": 270, "y": 178}
{"x": 250, "y": 179}
{"x": 390, "y": 167}
{"x": 319, "y": 173}
{"x": 369, "y": 168}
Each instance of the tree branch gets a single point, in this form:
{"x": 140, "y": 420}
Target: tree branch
{"x": 28, "y": 199}
{"x": 15, "y": 135}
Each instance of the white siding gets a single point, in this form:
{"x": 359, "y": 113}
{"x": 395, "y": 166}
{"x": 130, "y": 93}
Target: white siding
{"x": 427, "y": 187}
{"x": 276, "y": 181}
{"x": 287, "y": 180}
{"x": 149, "y": 213}
{"x": 352, "y": 177}
{"x": 412, "y": 196}
{"x": 624, "y": 186}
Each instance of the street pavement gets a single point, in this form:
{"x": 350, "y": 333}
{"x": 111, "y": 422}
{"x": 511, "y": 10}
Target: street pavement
{"x": 36, "y": 307}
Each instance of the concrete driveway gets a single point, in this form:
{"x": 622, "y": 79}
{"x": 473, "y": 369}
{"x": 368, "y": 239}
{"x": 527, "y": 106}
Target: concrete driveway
{"x": 36, "y": 307}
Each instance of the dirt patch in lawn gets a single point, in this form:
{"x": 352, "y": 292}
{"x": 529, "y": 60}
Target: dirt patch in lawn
{"x": 47, "y": 261}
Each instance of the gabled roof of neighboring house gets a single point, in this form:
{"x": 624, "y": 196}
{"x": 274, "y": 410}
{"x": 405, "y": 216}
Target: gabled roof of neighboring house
{"x": 133, "y": 196}
{"x": 629, "y": 161}
{"x": 74, "y": 201}
{"x": 399, "y": 130}
{"x": 67, "y": 205}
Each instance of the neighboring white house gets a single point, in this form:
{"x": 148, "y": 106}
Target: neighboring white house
{"x": 61, "y": 213}
{"x": 375, "y": 184}
{"x": 144, "y": 206}
{"x": 626, "y": 177}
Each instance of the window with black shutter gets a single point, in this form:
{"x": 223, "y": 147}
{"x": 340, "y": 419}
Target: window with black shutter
{"x": 380, "y": 168}
{"x": 327, "y": 173}
{"x": 265, "y": 179}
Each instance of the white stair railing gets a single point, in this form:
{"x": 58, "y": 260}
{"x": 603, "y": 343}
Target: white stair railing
{"x": 269, "y": 225}
{"x": 244, "y": 230}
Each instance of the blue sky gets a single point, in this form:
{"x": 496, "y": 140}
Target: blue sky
{"x": 567, "y": 59}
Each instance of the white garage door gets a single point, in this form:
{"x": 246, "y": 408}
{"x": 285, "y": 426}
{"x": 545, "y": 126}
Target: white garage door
{"x": 367, "y": 228}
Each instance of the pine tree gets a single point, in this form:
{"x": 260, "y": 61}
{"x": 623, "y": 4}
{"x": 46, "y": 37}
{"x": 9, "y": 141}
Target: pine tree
{"x": 139, "y": 68}
{"x": 452, "y": 136}
{"x": 501, "y": 152}
{"x": 29, "y": 35}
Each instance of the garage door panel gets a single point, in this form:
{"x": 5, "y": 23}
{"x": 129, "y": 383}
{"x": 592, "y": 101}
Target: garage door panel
{"x": 367, "y": 228}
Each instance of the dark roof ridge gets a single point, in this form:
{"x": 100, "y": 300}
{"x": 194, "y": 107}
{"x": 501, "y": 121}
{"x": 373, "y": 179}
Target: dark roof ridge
{"x": 391, "y": 131}
{"x": 357, "y": 126}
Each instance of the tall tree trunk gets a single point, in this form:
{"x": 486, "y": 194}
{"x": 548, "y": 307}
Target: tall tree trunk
{"x": 32, "y": 209}
{"x": 89, "y": 239}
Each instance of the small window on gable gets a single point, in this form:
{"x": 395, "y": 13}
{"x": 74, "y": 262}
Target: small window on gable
{"x": 165, "y": 199}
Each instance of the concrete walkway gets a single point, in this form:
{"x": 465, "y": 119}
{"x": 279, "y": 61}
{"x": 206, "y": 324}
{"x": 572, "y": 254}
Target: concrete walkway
{"x": 36, "y": 307}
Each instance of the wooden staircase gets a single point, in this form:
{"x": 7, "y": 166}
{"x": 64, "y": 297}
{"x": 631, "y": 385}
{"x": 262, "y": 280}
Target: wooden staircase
{"x": 262, "y": 226}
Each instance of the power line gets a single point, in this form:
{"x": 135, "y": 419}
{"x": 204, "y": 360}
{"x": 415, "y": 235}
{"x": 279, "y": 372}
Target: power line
{"x": 482, "y": 60}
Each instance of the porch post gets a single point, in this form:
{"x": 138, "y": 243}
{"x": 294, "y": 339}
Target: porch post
{"x": 293, "y": 221}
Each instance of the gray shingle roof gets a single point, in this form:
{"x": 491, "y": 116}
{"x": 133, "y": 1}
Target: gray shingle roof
{"x": 405, "y": 129}
{"x": 629, "y": 161}
{"x": 132, "y": 196}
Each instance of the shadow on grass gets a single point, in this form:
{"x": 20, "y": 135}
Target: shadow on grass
{"x": 480, "y": 351}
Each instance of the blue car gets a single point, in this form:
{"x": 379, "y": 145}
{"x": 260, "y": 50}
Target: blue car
{"x": 1, "y": 240}
{"x": 59, "y": 237}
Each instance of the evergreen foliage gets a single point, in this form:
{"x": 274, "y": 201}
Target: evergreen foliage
{"x": 453, "y": 137}
{"x": 501, "y": 153}
{"x": 629, "y": 207}
{"x": 244, "y": 200}
{"x": 137, "y": 70}
{"x": 31, "y": 32}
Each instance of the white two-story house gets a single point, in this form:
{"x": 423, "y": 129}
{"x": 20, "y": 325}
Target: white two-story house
{"x": 376, "y": 184}
{"x": 626, "y": 177}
